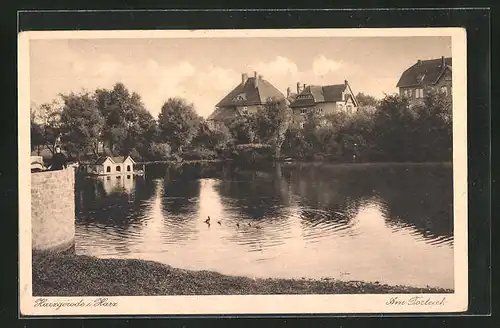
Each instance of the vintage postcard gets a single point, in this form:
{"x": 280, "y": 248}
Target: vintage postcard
{"x": 298, "y": 171}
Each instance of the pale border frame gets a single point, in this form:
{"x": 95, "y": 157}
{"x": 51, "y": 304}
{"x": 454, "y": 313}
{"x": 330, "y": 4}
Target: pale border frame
{"x": 249, "y": 304}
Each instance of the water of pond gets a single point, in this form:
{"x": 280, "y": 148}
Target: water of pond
{"x": 386, "y": 223}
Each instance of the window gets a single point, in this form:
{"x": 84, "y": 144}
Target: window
{"x": 128, "y": 168}
{"x": 301, "y": 124}
{"x": 419, "y": 93}
{"x": 444, "y": 90}
{"x": 240, "y": 97}
{"x": 118, "y": 168}
{"x": 349, "y": 109}
{"x": 108, "y": 169}
{"x": 319, "y": 110}
{"x": 303, "y": 110}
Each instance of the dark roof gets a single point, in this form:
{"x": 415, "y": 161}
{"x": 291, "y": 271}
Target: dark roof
{"x": 251, "y": 95}
{"x": 291, "y": 98}
{"x": 114, "y": 159}
{"x": 424, "y": 72}
{"x": 223, "y": 113}
{"x": 101, "y": 160}
{"x": 118, "y": 159}
{"x": 314, "y": 94}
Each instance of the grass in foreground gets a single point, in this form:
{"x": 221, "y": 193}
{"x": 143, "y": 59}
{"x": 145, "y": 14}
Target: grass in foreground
{"x": 76, "y": 275}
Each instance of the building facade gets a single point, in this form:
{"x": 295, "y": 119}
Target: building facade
{"x": 424, "y": 76}
{"x": 324, "y": 100}
{"x": 112, "y": 165}
{"x": 246, "y": 98}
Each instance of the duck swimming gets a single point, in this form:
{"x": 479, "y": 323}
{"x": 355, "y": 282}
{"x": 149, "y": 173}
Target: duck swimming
{"x": 219, "y": 222}
{"x": 207, "y": 221}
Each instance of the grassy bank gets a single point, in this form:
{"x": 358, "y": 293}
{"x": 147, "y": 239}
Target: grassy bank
{"x": 76, "y": 275}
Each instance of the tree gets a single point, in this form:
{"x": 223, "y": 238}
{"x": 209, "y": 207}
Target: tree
{"x": 36, "y": 132}
{"x": 129, "y": 126}
{"x": 82, "y": 123}
{"x": 393, "y": 129}
{"x": 272, "y": 121}
{"x": 366, "y": 100}
{"x": 354, "y": 136}
{"x": 46, "y": 124}
{"x": 178, "y": 123}
{"x": 160, "y": 151}
{"x": 434, "y": 127}
{"x": 242, "y": 129}
{"x": 211, "y": 139}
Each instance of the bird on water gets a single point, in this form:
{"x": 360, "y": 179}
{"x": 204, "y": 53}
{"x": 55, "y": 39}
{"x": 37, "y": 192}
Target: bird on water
{"x": 207, "y": 221}
{"x": 219, "y": 222}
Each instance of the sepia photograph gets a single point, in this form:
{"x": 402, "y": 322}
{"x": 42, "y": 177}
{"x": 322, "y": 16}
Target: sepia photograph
{"x": 243, "y": 171}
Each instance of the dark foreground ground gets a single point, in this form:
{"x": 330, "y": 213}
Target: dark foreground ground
{"x": 76, "y": 275}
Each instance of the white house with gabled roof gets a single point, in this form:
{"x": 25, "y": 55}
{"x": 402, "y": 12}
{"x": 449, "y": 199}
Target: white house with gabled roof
{"x": 108, "y": 165}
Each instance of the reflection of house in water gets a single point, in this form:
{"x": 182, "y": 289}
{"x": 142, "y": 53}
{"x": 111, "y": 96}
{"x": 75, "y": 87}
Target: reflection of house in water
{"x": 107, "y": 165}
{"x": 119, "y": 183}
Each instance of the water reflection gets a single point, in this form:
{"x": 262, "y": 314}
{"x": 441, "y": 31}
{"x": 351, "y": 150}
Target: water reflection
{"x": 382, "y": 224}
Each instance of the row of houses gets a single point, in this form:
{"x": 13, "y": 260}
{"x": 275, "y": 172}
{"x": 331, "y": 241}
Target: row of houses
{"x": 252, "y": 93}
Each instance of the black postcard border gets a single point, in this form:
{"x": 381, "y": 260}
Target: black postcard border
{"x": 477, "y": 25}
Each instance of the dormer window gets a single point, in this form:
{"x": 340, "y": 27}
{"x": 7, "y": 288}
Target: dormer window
{"x": 240, "y": 97}
{"x": 420, "y": 77}
{"x": 306, "y": 96}
{"x": 244, "y": 110}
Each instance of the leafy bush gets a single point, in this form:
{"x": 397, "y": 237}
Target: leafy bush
{"x": 199, "y": 153}
{"x": 160, "y": 151}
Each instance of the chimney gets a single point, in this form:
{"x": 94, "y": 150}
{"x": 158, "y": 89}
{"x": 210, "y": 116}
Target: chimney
{"x": 419, "y": 62}
{"x": 345, "y": 82}
{"x": 298, "y": 87}
{"x": 244, "y": 78}
{"x": 442, "y": 61}
{"x": 260, "y": 77}
{"x": 288, "y": 92}
{"x": 255, "y": 79}
{"x": 304, "y": 87}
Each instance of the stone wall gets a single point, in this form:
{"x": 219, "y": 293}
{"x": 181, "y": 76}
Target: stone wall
{"x": 53, "y": 210}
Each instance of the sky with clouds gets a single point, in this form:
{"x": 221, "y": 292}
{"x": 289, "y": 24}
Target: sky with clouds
{"x": 203, "y": 70}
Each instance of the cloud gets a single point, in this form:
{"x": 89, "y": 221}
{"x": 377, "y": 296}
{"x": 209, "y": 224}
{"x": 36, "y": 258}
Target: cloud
{"x": 153, "y": 81}
{"x": 279, "y": 66}
{"x": 217, "y": 78}
{"x": 322, "y": 65}
{"x": 59, "y": 68}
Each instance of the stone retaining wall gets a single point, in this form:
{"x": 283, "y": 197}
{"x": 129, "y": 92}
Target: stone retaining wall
{"x": 53, "y": 210}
